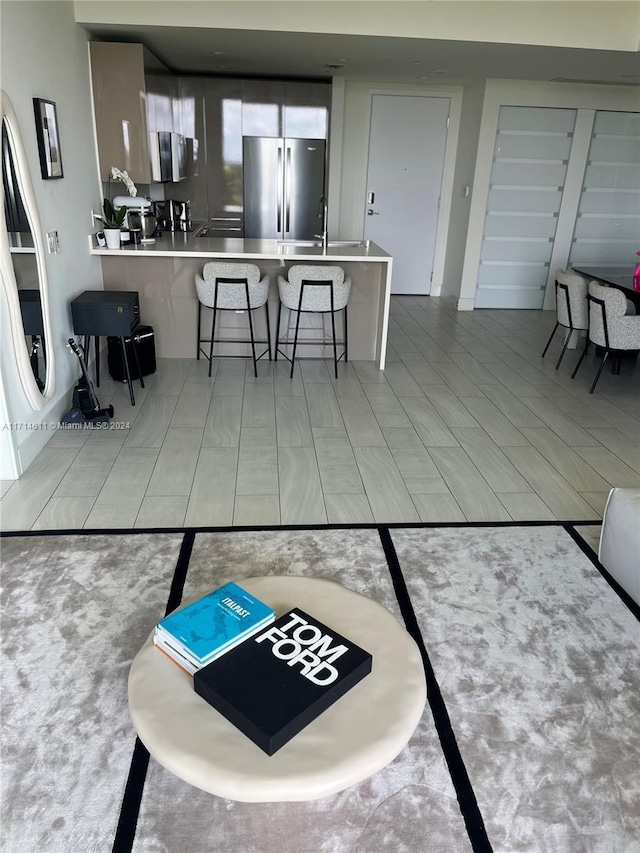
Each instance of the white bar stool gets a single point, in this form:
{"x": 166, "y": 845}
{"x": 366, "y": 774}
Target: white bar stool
{"x": 232, "y": 287}
{"x": 314, "y": 289}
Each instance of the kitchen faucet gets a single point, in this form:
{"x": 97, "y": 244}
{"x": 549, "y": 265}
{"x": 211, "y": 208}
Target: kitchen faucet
{"x": 325, "y": 239}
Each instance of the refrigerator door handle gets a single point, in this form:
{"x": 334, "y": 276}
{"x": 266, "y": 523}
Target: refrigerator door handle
{"x": 280, "y": 183}
{"x": 287, "y": 221}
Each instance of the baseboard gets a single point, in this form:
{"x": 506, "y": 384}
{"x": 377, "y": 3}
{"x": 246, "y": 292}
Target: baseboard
{"x": 43, "y": 430}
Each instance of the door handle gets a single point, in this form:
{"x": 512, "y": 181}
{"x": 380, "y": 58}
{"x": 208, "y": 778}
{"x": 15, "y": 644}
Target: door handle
{"x": 287, "y": 190}
{"x": 372, "y": 213}
{"x": 280, "y": 189}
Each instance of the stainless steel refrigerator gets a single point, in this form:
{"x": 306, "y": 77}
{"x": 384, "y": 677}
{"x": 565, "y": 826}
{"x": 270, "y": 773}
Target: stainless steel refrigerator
{"x": 283, "y": 187}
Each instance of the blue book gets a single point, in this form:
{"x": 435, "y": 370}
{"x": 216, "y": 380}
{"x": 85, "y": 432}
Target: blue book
{"x": 213, "y": 624}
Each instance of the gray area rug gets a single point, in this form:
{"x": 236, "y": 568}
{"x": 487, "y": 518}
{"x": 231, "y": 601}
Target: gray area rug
{"x": 533, "y": 743}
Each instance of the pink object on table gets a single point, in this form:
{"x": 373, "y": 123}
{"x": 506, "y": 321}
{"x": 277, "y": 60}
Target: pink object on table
{"x": 636, "y": 276}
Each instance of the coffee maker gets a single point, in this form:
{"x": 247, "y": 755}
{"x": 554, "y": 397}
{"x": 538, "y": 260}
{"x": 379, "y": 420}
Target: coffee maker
{"x": 161, "y": 213}
{"x": 178, "y": 214}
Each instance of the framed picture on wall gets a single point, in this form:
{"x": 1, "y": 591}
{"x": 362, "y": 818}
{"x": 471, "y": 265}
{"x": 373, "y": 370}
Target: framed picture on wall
{"x": 48, "y": 138}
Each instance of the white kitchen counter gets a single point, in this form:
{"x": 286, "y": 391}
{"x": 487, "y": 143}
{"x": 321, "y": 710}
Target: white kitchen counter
{"x": 163, "y": 274}
{"x": 185, "y": 244}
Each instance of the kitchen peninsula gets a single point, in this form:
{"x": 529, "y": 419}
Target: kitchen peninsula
{"x": 163, "y": 273}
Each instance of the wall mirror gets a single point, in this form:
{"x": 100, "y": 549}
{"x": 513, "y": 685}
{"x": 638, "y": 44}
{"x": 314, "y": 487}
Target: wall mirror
{"x": 23, "y": 269}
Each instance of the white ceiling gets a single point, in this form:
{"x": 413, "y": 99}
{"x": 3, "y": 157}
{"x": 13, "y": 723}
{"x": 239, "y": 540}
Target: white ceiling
{"x": 239, "y": 53}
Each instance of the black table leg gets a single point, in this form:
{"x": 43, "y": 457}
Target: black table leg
{"x": 97, "y": 340}
{"x": 126, "y": 370}
{"x": 134, "y": 350}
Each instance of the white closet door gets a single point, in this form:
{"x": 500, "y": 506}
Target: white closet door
{"x": 531, "y": 153}
{"x": 607, "y": 229}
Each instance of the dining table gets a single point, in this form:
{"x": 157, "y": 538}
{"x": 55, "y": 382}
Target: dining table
{"x": 620, "y": 277}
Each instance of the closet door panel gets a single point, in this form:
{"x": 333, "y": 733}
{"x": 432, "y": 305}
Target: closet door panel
{"x": 532, "y": 149}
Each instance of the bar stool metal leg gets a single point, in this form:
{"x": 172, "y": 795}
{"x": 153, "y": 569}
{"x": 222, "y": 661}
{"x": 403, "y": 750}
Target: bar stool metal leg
{"x": 275, "y": 355}
{"x": 295, "y": 336}
{"x": 266, "y": 308}
{"x": 346, "y": 356}
{"x": 213, "y": 331}
{"x": 253, "y": 345}
{"x": 198, "y": 335}
{"x": 335, "y": 346}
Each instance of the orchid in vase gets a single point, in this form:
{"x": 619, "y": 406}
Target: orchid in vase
{"x": 117, "y": 175}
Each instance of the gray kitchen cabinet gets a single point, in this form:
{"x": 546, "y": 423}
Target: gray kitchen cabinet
{"x": 193, "y": 187}
{"x": 293, "y": 108}
{"x": 163, "y": 107}
{"x": 120, "y": 107}
{"x": 223, "y": 109}
{"x": 166, "y": 138}
{"x": 262, "y": 107}
{"x": 306, "y": 110}
{"x": 213, "y": 114}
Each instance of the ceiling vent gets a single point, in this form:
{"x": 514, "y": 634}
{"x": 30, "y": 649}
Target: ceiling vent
{"x": 329, "y": 67}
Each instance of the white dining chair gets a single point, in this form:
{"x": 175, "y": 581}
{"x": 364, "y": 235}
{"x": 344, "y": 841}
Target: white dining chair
{"x": 571, "y": 307}
{"x": 609, "y": 327}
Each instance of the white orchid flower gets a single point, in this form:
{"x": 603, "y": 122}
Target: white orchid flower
{"x": 117, "y": 175}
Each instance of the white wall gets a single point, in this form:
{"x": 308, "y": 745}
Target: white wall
{"x": 470, "y": 119}
{"x": 532, "y": 94}
{"x": 44, "y": 54}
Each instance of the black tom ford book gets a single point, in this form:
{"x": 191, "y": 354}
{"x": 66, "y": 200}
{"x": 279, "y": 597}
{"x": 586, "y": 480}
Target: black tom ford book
{"x": 274, "y": 684}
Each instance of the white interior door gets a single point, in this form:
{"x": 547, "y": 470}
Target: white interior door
{"x": 404, "y": 178}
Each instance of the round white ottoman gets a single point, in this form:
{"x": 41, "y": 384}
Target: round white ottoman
{"x": 359, "y": 734}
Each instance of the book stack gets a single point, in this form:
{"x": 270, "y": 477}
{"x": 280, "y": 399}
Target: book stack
{"x": 270, "y": 678}
{"x": 277, "y": 682}
{"x": 211, "y": 626}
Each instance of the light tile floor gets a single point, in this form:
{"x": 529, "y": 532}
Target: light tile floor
{"x": 467, "y": 422}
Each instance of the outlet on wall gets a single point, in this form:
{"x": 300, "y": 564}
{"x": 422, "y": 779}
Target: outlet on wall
{"x": 53, "y": 242}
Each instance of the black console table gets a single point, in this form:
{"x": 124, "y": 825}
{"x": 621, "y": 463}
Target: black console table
{"x": 98, "y": 313}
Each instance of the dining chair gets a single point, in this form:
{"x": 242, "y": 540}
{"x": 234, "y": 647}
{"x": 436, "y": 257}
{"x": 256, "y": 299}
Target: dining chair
{"x": 232, "y": 287}
{"x": 571, "y": 307}
{"x": 314, "y": 289}
{"x": 609, "y": 327}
